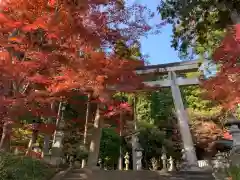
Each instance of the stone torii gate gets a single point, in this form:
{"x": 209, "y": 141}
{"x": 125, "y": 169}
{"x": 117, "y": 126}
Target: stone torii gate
{"x": 171, "y": 70}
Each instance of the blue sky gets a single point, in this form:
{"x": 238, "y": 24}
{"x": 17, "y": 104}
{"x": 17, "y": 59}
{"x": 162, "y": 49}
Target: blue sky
{"x": 158, "y": 47}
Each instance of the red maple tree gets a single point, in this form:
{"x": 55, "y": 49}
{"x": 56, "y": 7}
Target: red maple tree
{"x": 49, "y": 48}
{"x": 225, "y": 86}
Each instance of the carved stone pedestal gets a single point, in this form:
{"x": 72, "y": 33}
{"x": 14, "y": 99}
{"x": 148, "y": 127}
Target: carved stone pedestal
{"x": 185, "y": 165}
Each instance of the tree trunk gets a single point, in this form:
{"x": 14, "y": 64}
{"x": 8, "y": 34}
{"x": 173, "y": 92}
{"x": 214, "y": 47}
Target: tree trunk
{"x": 5, "y": 139}
{"x": 6, "y": 125}
{"x": 120, "y": 159}
{"x": 47, "y": 137}
{"x": 1, "y": 129}
{"x": 46, "y": 144}
{"x": 95, "y": 140}
{"x": 57, "y": 120}
{"x": 35, "y": 135}
{"x": 86, "y": 126}
{"x": 58, "y": 137}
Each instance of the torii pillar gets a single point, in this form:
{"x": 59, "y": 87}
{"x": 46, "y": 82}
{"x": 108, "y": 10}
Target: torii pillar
{"x": 183, "y": 120}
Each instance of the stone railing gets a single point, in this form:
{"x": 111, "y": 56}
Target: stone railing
{"x": 204, "y": 164}
{"x": 207, "y": 164}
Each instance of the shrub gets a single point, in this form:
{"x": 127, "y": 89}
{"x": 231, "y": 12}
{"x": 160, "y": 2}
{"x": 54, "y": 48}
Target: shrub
{"x": 14, "y": 167}
{"x": 234, "y": 172}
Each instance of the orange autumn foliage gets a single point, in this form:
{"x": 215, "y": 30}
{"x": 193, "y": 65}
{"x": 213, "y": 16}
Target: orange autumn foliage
{"x": 50, "y": 48}
{"x": 225, "y": 86}
{"x": 51, "y": 37}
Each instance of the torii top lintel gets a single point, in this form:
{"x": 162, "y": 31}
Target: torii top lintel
{"x": 148, "y": 73}
{"x": 184, "y": 66}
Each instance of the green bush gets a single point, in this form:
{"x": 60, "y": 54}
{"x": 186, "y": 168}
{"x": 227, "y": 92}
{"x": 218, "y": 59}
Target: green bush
{"x": 234, "y": 172}
{"x": 14, "y": 167}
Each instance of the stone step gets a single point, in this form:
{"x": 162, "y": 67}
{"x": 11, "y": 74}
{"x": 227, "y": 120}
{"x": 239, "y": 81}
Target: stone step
{"x": 85, "y": 174}
{"x": 77, "y": 175}
{"x": 78, "y": 171}
{"x": 74, "y": 179}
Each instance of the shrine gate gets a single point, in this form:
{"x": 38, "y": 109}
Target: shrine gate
{"x": 170, "y": 75}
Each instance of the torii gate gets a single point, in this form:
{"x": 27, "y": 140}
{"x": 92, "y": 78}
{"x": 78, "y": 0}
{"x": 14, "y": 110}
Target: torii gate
{"x": 171, "y": 70}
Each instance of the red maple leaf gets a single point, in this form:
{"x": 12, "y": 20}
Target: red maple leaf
{"x": 227, "y": 135}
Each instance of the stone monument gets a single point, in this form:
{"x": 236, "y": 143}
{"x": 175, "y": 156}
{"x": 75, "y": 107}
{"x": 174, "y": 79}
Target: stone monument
{"x": 184, "y": 164}
{"x": 171, "y": 165}
{"x": 138, "y": 149}
{"x": 100, "y": 163}
{"x": 126, "y": 157}
{"x": 164, "y": 161}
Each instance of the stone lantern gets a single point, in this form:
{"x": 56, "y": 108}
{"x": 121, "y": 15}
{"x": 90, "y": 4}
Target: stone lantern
{"x": 220, "y": 166}
{"x": 234, "y": 129}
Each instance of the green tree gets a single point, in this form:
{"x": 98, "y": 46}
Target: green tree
{"x": 130, "y": 51}
{"x": 198, "y": 106}
{"x": 198, "y": 25}
{"x": 143, "y": 108}
{"x": 109, "y": 147}
{"x": 154, "y": 112}
{"x": 161, "y": 106}
{"x": 151, "y": 139}
{"x": 194, "y": 102}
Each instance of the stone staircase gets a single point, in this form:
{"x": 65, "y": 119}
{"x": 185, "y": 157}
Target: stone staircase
{"x": 85, "y": 174}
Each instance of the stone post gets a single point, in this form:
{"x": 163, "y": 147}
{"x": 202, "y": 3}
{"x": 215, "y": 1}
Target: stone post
{"x": 100, "y": 163}
{"x": 71, "y": 161}
{"x": 46, "y": 145}
{"x": 16, "y": 151}
{"x": 182, "y": 116}
{"x": 134, "y": 137}
{"x": 138, "y": 150}
{"x": 47, "y": 138}
{"x": 86, "y": 127}
{"x": 164, "y": 161}
{"x": 93, "y": 153}
{"x": 171, "y": 165}
{"x": 139, "y": 159}
{"x": 120, "y": 159}
{"x": 134, "y": 145}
